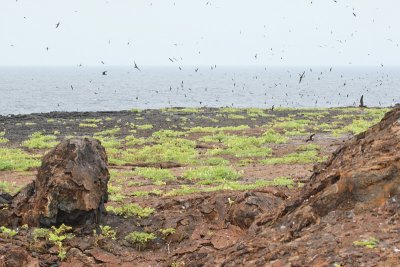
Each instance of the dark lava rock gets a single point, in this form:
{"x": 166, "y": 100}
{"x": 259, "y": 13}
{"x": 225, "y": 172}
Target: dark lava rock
{"x": 70, "y": 188}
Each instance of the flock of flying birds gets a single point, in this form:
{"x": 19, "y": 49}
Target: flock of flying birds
{"x": 301, "y": 76}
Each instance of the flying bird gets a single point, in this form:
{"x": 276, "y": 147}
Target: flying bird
{"x": 302, "y": 77}
{"x": 136, "y": 66}
{"x": 311, "y": 138}
{"x": 105, "y": 72}
{"x": 57, "y": 25}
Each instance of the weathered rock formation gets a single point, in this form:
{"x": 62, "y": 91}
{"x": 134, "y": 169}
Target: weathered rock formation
{"x": 70, "y": 188}
{"x": 362, "y": 175}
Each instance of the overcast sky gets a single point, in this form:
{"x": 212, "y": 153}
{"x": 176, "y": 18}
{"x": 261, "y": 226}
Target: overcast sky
{"x": 200, "y": 32}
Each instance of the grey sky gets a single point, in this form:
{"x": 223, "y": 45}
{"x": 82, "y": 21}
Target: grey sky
{"x": 226, "y": 32}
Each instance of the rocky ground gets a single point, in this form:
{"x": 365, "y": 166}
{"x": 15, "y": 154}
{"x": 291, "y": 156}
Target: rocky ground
{"x": 204, "y": 195}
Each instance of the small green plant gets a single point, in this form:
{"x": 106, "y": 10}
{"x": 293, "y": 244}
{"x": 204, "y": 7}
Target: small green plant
{"x": 40, "y": 233}
{"x": 38, "y": 140}
{"x": 131, "y": 209}
{"x": 167, "y": 231}
{"x": 108, "y": 232}
{"x": 139, "y": 238}
{"x": 7, "y": 232}
{"x": 57, "y": 236}
{"x": 89, "y": 125}
{"x": 368, "y": 243}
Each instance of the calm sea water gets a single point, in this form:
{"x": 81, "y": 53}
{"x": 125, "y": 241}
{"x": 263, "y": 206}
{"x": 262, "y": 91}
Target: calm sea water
{"x": 44, "y": 89}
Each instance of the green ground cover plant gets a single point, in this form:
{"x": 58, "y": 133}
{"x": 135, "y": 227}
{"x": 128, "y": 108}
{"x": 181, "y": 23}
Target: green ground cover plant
{"x": 2, "y": 138}
{"x": 368, "y": 243}
{"x": 12, "y": 159}
{"x": 154, "y": 174}
{"x": 39, "y": 140}
{"x": 213, "y": 173}
{"x": 140, "y": 239}
{"x": 131, "y": 209}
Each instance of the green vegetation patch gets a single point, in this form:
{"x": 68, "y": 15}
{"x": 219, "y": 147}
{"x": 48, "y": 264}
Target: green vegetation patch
{"x": 144, "y": 127}
{"x": 109, "y": 132}
{"x": 139, "y": 238}
{"x": 162, "y": 134}
{"x": 8, "y": 187}
{"x": 129, "y": 210}
{"x": 270, "y": 136}
{"x": 38, "y": 140}
{"x": 88, "y": 125}
{"x": 216, "y": 129}
{"x": 7, "y": 232}
{"x": 368, "y": 243}
{"x": 171, "y": 150}
{"x": 303, "y": 157}
{"x": 16, "y": 160}
{"x": 2, "y": 138}
{"x": 243, "y": 146}
{"x": 356, "y": 127}
{"x": 236, "y": 117}
{"x": 215, "y": 161}
{"x": 154, "y": 174}
{"x": 214, "y": 174}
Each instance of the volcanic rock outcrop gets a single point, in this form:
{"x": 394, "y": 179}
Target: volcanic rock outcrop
{"x": 70, "y": 188}
{"x": 360, "y": 176}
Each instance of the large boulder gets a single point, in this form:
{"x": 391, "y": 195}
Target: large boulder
{"x": 70, "y": 188}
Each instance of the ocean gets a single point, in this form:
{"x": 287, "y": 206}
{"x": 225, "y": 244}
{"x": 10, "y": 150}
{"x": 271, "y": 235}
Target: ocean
{"x": 27, "y": 90}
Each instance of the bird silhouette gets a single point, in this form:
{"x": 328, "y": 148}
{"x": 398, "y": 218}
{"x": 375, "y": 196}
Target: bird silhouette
{"x": 136, "y": 66}
{"x": 105, "y": 72}
{"x": 302, "y": 77}
{"x": 311, "y": 138}
{"x": 57, "y": 25}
